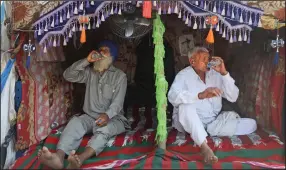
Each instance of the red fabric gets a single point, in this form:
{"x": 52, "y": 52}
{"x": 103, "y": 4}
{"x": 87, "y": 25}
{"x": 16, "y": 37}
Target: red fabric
{"x": 171, "y": 158}
{"x": 46, "y": 98}
{"x": 25, "y": 117}
{"x": 147, "y": 9}
{"x": 51, "y": 95}
{"x": 277, "y": 91}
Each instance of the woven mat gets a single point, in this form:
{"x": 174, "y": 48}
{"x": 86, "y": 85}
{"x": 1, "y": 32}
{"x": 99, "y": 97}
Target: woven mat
{"x": 136, "y": 149}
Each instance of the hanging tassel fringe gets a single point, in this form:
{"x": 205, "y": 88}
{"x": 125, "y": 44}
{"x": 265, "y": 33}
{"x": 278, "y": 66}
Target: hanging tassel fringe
{"x": 195, "y": 26}
{"x": 147, "y": 9}
{"x": 210, "y": 37}
{"x": 65, "y": 42}
{"x": 83, "y": 35}
{"x": 45, "y": 49}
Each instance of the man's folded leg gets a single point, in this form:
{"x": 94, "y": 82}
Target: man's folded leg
{"x": 98, "y": 141}
{"x": 245, "y": 126}
{"x": 74, "y": 131}
{"x": 192, "y": 124}
{"x": 70, "y": 140}
{"x": 229, "y": 124}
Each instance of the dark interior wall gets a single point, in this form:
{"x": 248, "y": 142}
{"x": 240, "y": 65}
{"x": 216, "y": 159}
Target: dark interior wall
{"x": 238, "y": 57}
{"x": 251, "y": 65}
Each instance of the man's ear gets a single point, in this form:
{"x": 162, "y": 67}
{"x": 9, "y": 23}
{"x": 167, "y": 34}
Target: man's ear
{"x": 192, "y": 61}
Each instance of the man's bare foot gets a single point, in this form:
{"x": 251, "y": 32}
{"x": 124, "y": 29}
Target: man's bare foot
{"x": 209, "y": 156}
{"x": 74, "y": 161}
{"x": 49, "y": 159}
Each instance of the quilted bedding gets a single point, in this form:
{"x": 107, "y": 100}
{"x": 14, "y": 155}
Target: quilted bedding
{"x": 136, "y": 150}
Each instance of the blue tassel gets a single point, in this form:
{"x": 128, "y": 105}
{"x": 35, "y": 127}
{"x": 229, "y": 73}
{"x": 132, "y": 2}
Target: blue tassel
{"x": 28, "y": 62}
{"x": 276, "y": 58}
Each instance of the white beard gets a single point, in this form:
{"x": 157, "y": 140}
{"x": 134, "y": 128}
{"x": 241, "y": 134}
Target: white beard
{"x": 102, "y": 65}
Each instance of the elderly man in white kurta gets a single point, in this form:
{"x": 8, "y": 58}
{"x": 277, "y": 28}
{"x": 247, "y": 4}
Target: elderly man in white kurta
{"x": 196, "y": 95}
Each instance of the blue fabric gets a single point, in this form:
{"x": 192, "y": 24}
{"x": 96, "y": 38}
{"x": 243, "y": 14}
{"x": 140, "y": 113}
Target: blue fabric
{"x": 112, "y": 47}
{"x": 6, "y": 72}
{"x": 276, "y": 58}
{"x": 90, "y": 9}
{"x": 28, "y": 62}
{"x": 196, "y": 9}
{"x": 20, "y": 153}
{"x": 232, "y": 22}
{"x": 60, "y": 26}
{"x": 2, "y": 11}
{"x": 18, "y": 94}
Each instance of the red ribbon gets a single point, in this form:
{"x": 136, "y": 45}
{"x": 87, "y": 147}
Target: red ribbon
{"x": 147, "y": 9}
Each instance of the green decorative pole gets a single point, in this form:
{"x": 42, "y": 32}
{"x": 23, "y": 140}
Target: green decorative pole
{"x": 160, "y": 81}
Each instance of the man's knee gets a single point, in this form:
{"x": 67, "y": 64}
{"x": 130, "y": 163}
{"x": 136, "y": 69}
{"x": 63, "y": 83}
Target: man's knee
{"x": 111, "y": 129}
{"x": 75, "y": 127}
{"x": 246, "y": 126}
{"x": 187, "y": 113}
{"x": 75, "y": 122}
{"x": 252, "y": 124}
{"x": 103, "y": 131}
{"x": 72, "y": 123}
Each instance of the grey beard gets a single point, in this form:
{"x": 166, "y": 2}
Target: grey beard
{"x": 102, "y": 65}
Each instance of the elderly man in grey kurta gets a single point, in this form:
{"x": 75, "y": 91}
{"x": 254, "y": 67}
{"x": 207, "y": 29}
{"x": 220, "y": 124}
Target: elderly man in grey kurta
{"x": 104, "y": 97}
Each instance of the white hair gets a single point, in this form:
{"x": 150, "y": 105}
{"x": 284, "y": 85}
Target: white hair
{"x": 103, "y": 64}
{"x": 197, "y": 50}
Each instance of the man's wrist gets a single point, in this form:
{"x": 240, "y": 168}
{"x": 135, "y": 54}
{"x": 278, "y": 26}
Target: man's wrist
{"x": 87, "y": 59}
{"x": 200, "y": 96}
{"x": 224, "y": 73}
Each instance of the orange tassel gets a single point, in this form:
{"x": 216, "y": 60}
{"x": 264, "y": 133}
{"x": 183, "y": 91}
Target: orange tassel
{"x": 210, "y": 37}
{"x": 147, "y": 9}
{"x": 83, "y": 35}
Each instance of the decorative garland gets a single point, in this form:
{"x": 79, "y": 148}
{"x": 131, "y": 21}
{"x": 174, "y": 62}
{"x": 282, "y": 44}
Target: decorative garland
{"x": 160, "y": 81}
{"x": 58, "y": 26}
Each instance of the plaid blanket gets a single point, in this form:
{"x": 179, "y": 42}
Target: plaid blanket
{"x": 136, "y": 149}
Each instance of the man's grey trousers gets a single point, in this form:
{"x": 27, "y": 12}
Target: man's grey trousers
{"x": 77, "y": 127}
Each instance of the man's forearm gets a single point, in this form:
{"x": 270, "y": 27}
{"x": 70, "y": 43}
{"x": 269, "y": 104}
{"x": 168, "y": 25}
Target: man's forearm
{"x": 77, "y": 72}
{"x": 224, "y": 73}
{"x": 229, "y": 88}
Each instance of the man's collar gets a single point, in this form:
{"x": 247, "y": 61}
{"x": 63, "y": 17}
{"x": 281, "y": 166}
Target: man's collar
{"x": 111, "y": 68}
{"x": 194, "y": 72}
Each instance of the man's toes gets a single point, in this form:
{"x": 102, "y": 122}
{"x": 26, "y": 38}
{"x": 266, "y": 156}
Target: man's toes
{"x": 45, "y": 150}
{"x": 76, "y": 157}
{"x": 72, "y": 152}
{"x": 211, "y": 160}
{"x": 214, "y": 159}
{"x": 70, "y": 157}
{"x": 39, "y": 152}
{"x": 74, "y": 162}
